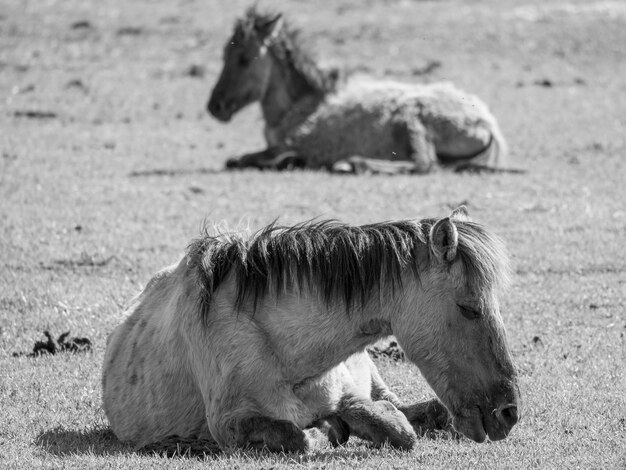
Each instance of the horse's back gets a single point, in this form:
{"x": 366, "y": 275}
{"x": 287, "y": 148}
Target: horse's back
{"x": 370, "y": 118}
{"x": 360, "y": 119}
{"x": 148, "y": 390}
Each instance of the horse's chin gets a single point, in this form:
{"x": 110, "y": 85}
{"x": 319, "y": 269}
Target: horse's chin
{"x": 470, "y": 426}
{"x": 474, "y": 425}
{"x": 223, "y": 117}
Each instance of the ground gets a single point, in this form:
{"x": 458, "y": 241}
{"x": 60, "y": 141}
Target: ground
{"x": 110, "y": 164}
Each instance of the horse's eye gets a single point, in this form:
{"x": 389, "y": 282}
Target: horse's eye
{"x": 469, "y": 312}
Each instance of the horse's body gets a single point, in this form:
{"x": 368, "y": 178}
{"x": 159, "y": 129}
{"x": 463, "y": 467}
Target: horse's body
{"x": 315, "y": 120}
{"x": 249, "y": 342}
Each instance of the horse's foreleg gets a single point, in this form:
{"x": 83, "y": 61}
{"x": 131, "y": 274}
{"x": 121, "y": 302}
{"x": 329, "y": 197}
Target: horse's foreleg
{"x": 422, "y": 148}
{"x": 428, "y": 416}
{"x": 335, "y": 429}
{"x": 250, "y": 160}
{"x": 361, "y": 165}
{"x": 380, "y": 391}
{"x": 270, "y": 158}
{"x": 377, "y": 421}
{"x": 422, "y": 153}
{"x": 261, "y": 432}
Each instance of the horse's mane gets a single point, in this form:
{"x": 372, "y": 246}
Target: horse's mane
{"x": 289, "y": 48}
{"x": 341, "y": 262}
{"x": 484, "y": 257}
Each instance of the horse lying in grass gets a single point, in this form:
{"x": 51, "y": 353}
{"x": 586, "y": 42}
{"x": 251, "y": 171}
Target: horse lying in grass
{"x": 314, "y": 121}
{"x": 252, "y": 341}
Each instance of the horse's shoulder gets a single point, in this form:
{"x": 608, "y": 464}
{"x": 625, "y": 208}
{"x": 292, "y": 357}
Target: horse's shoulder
{"x": 159, "y": 280}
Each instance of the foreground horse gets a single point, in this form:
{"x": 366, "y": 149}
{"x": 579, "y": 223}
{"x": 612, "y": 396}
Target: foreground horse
{"x": 249, "y": 342}
{"x": 313, "y": 121}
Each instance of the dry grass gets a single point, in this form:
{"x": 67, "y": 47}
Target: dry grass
{"x": 109, "y": 165}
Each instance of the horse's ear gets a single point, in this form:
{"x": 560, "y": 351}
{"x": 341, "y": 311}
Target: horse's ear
{"x": 460, "y": 213}
{"x": 270, "y": 29}
{"x": 444, "y": 240}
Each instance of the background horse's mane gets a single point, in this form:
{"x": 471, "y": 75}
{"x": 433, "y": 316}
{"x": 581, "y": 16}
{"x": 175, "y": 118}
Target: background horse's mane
{"x": 339, "y": 261}
{"x": 288, "y": 47}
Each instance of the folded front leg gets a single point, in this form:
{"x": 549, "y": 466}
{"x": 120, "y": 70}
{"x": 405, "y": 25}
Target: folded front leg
{"x": 269, "y": 159}
{"x": 251, "y": 160}
{"x": 335, "y": 429}
{"x": 276, "y": 435}
{"x": 428, "y": 416}
{"x": 377, "y": 421}
{"x": 361, "y": 165}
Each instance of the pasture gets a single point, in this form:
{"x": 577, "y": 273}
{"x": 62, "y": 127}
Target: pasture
{"x": 110, "y": 165}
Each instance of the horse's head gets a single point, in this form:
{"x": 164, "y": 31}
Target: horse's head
{"x": 453, "y": 331}
{"x": 247, "y": 65}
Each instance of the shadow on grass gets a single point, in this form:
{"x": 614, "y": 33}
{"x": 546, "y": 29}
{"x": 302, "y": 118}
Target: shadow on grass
{"x": 102, "y": 442}
{"x": 63, "y": 442}
{"x": 174, "y": 172}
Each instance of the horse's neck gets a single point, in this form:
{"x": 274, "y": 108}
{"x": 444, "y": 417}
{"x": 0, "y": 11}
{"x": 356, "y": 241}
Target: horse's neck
{"x": 296, "y": 114}
{"x": 310, "y": 338}
{"x": 288, "y": 101}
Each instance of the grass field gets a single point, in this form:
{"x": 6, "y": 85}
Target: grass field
{"x": 109, "y": 165}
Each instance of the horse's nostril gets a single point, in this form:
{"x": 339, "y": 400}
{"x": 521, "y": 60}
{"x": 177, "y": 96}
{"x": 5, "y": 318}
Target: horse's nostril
{"x": 507, "y": 415}
{"x": 216, "y": 105}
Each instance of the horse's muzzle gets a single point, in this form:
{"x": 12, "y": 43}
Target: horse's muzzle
{"x": 220, "y": 109}
{"x": 502, "y": 419}
{"x": 507, "y": 415}
{"x": 494, "y": 417}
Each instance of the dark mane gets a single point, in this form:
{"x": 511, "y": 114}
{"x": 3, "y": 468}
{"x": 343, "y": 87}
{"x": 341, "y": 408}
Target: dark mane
{"x": 484, "y": 257}
{"x": 341, "y": 262}
{"x": 289, "y": 48}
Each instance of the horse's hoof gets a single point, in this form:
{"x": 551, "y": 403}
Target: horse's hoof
{"x": 342, "y": 166}
{"x": 232, "y": 163}
{"x": 339, "y": 432}
{"x": 290, "y": 163}
{"x": 359, "y": 165}
{"x": 422, "y": 168}
{"x": 296, "y": 163}
{"x": 314, "y": 440}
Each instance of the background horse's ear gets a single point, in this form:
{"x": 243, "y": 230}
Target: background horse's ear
{"x": 444, "y": 240}
{"x": 269, "y": 30}
{"x": 460, "y": 213}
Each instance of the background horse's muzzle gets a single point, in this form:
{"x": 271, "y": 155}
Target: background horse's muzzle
{"x": 220, "y": 109}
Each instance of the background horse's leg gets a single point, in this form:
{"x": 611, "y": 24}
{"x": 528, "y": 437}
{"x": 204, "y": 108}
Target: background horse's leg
{"x": 377, "y": 421}
{"x": 421, "y": 150}
{"x": 270, "y": 158}
{"x": 360, "y": 165}
{"x": 428, "y": 416}
{"x": 277, "y": 435}
{"x": 251, "y": 160}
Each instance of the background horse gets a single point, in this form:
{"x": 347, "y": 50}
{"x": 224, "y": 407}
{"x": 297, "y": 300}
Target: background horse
{"x": 315, "y": 121}
{"x": 249, "y": 341}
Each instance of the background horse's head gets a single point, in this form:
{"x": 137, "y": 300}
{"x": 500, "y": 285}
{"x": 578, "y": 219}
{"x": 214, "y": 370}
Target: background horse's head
{"x": 247, "y": 65}
{"x": 452, "y": 329}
